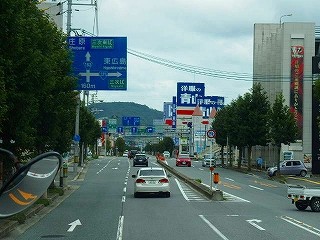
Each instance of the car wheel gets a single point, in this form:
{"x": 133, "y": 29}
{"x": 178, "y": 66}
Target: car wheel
{"x": 315, "y": 204}
{"x": 301, "y": 205}
{"x": 303, "y": 173}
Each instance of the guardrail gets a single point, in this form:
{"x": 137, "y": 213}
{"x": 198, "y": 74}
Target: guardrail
{"x": 216, "y": 195}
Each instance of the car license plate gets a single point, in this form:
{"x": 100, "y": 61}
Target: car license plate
{"x": 183, "y": 163}
{"x": 295, "y": 199}
{"x": 151, "y": 182}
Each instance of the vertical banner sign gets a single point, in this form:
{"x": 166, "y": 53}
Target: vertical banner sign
{"x": 296, "y": 86}
{"x": 174, "y": 112}
{"x": 315, "y": 133}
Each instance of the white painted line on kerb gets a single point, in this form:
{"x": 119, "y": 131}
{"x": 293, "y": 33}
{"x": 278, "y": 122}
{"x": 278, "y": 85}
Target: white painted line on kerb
{"x": 181, "y": 190}
{"x": 213, "y": 227}
{"x": 123, "y": 199}
{"x": 256, "y": 188}
{"x": 120, "y": 228}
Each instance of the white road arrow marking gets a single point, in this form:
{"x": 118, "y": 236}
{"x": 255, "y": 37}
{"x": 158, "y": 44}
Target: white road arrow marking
{"x": 73, "y": 225}
{"x": 252, "y": 222}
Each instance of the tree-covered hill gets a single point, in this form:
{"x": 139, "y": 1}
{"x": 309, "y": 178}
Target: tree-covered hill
{"x": 125, "y": 109}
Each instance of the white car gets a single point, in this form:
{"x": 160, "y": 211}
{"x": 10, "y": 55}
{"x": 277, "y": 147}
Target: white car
{"x": 151, "y": 180}
{"x": 166, "y": 154}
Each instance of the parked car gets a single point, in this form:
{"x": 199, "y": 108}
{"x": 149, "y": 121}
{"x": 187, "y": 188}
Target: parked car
{"x": 151, "y": 180}
{"x": 289, "y": 167}
{"x": 166, "y": 154}
{"x": 183, "y": 160}
{"x": 140, "y": 159}
{"x": 209, "y": 161}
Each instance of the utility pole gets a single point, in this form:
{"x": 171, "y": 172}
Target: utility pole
{"x": 77, "y": 120}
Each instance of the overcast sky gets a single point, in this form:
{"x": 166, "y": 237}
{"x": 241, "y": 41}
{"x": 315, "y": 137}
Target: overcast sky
{"x": 212, "y": 34}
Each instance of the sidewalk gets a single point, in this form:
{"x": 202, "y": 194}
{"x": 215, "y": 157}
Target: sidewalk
{"x": 9, "y": 224}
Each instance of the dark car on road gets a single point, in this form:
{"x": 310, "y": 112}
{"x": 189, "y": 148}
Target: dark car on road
{"x": 140, "y": 159}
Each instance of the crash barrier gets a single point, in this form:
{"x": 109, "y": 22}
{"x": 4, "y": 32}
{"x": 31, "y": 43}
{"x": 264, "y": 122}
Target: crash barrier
{"x": 216, "y": 195}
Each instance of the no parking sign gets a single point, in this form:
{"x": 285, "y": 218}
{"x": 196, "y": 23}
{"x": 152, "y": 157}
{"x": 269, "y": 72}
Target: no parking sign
{"x": 211, "y": 133}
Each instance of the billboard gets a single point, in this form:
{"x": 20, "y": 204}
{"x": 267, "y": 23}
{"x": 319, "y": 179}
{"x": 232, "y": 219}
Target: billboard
{"x": 207, "y": 103}
{"x": 188, "y": 92}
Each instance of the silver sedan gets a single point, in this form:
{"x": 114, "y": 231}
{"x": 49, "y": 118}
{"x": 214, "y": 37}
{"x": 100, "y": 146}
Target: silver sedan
{"x": 151, "y": 180}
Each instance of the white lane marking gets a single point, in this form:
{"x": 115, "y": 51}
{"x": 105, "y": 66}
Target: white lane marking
{"x": 256, "y": 187}
{"x": 73, "y": 225}
{"x": 213, "y": 227}
{"x": 252, "y": 222}
{"x": 302, "y": 225}
{"x": 123, "y": 199}
{"x": 104, "y": 167}
{"x": 125, "y": 190}
{"x": 181, "y": 190}
{"x": 120, "y": 228}
{"x": 229, "y": 179}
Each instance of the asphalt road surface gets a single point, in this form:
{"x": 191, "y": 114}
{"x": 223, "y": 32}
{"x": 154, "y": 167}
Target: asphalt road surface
{"x": 103, "y": 207}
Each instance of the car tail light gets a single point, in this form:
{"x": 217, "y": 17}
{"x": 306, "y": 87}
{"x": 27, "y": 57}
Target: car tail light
{"x": 289, "y": 195}
{"x": 163, "y": 180}
{"x": 140, "y": 180}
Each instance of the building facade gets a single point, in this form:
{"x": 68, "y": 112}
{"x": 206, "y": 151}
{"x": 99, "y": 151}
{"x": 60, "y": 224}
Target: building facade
{"x": 282, "y": 63}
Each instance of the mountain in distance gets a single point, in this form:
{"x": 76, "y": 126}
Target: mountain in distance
{"x": 118, "y": 110}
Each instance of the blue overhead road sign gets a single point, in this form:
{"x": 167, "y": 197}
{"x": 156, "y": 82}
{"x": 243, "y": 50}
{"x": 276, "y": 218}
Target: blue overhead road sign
{"x": 100, "y": 63}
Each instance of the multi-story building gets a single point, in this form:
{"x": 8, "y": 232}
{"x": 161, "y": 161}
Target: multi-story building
{"x": 282, "y": 63}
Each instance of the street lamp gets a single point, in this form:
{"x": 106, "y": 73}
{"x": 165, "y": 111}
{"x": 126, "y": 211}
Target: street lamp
{"x": 286, "y": 15}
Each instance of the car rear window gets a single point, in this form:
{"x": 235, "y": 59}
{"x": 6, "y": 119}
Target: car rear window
{"x": 150, "y": 172}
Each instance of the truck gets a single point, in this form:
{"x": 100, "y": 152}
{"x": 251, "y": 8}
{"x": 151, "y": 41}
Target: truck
{"x": 304, "y": 197}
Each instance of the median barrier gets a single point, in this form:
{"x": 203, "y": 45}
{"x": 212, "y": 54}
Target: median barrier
{"x": 215, "y": 195}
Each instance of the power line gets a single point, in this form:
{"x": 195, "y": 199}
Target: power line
{"x": 237, "y": 76}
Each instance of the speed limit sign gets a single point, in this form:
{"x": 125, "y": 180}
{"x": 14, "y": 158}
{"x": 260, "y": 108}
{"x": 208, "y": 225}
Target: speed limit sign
{"x": 211, "y": 133}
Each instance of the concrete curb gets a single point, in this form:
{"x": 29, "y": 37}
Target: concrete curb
{"x": 216, "y": 195}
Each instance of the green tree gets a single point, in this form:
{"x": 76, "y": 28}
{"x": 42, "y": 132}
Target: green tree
{"x": 283, "y": 128}
{"x": 39, "y": 99}
{"x": 255, "y": 121}
{"x": 168, "y": 144}
{"x": 282, "y": 125}
{"x": 120, "y": 144}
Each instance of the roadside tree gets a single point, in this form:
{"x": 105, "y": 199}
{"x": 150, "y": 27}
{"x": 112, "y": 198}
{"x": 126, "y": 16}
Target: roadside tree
{"x": 38, "y": 109}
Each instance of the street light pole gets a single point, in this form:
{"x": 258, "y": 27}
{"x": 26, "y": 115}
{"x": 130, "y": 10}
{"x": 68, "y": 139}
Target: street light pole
{"x": 286, "y": 15}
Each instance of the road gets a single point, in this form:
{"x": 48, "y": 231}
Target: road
{"x": 103, "y": 207}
